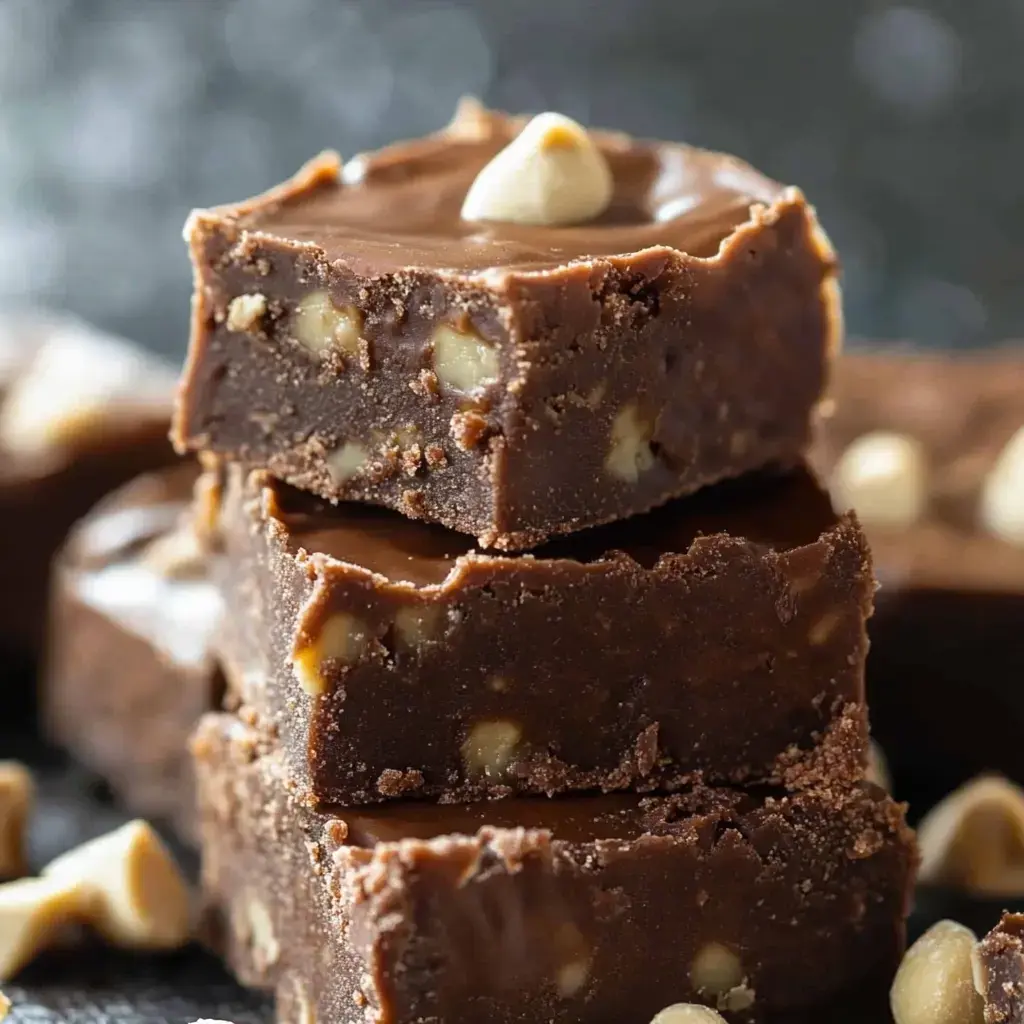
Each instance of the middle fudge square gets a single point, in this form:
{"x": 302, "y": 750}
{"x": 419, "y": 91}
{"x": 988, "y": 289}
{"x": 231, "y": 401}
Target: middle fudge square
{"x": 719, "y": 639}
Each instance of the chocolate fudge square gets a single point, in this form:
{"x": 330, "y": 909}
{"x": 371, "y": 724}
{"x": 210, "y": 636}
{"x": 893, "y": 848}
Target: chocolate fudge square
{"x": 915, "y": 443}
{"x": 130, "y": 667}
{"x": 590, "y": 910}
{"x": 81, "y": 412}
{"x": 356, "y": 336}
{"x": 718, "y": 638}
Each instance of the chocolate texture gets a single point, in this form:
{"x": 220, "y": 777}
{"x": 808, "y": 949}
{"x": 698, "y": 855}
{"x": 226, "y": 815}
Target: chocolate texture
{"x": 356, "y": 337}
{"x": 80, "y": 413}
{"x": 999, "y": 971}
{"x": 946, "y": 656}
{"x": 130, "y": 667}
{"x": 593, "y": 910}
{"x": 720, "y": 638}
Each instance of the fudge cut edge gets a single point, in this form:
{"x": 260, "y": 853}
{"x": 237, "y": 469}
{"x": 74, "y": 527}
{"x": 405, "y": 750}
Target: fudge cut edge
{"x": 634, "y": 676}
{"x": 510, "y": 405}
{"x": 788, "y": 901}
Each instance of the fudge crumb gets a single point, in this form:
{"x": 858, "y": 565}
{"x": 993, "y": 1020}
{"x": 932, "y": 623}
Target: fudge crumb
{"x": 436, "y": 458}
{"x": 393, "y": 783}
{"x": 426, "y": 385}
{"x": 469, "y": 429}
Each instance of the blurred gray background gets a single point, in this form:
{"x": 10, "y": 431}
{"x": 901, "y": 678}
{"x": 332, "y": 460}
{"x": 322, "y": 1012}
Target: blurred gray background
{"x": 902, "y": 122}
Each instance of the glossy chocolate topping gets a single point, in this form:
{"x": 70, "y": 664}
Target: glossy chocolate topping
{"x": 775, "y": 512}
{"x": 400, "y": 206}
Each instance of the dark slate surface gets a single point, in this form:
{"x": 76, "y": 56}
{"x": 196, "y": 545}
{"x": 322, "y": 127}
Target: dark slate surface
{"x": 901, "y": 120}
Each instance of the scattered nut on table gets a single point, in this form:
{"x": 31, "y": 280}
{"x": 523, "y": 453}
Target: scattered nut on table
{"x": 17, "y": 793}
{"x": 974, "y": 839}
{"x": 878, "y": 767}
{"x": 1002, "y": 494}
{"x": 935, "y": 982}
{"x": 551, "y": 174}
{"x": 5, "y": 1006}
{"x": 688, "y": 1013}
{"x": 34, "y": 913}
{"x": 132, "y": 890}
{"x": 883, "y": 476}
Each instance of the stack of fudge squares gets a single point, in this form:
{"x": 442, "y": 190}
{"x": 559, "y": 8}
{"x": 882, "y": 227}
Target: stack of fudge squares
{"x": 539, "y": 649}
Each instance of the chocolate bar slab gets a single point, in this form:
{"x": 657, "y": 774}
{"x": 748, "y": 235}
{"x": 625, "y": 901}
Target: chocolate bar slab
{"x": 946, "y": 656}
{"x": 999, "y": 971}
{"x": 130, "y": 666}
{"x": 590, "y": 910}
{"x": 356, "y": 337}
{"x": 719, "y": 638}
{"x": 80, "y": 413}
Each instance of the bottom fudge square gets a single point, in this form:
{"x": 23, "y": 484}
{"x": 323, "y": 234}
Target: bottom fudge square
{"x": 590, "y": 910}
{"x": 999, "y": 971}
{"x": 719, "y": 639}
{"x": 129, "y": 667}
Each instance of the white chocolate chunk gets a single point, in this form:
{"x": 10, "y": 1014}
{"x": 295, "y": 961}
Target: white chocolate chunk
{"x": 934, "y": 983}
{"x": 551, "y": 174}
{"x": 490, "y": 746}
{"x": 630, "y": 453}
{"x": 1002, "y": 495}
{"x": 462, "y": 359}
{"x": 134, "y": 893}
{"x": 68, "y": 390}
{"x": 687, "y": 1013}
{"x": 17, "y": 792}
{"x": 883, "y": 477}
{"x": 33, "y": 914}
{"x": 319, "y": 324}
{"x": 342, "y": 638}
{"x": 974, "y": 839}
{"x": 345, "y": 462}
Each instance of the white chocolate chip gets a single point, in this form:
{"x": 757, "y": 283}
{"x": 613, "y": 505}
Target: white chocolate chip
{"x": 134, "y": 892}
{"x": 490, "y": 747}
{"x": 345, "y": 462}
{"x": 934, "y": 983}
{"x": 416, "y": 625}
{"x": 974, "y": 839}
{"x": 571, "y": 977}
{"x": 342, "y": 638}
{"x": 878, "y": 767}
{"x": 246, "y": 311}
{"x": 462, "y": 359}
{"x": 717, "y": 972}
{"x": 630, "y": 452}
{"x": 883, "y": 477}
{"x": 551, "y": 174}
{"x": 34, "y": 912}
{"x": 71, "y": 388}
{"x": 320, "y": 325}
{"x": 266, "y": 949}
{"x": 687, "y": 1013}
{"x": 1002, "y": 494}
{"x": 17, "y": 792}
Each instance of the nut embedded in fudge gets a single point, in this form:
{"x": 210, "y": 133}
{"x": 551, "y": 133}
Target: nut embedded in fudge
{"x": 80, "y": 413}
{"x": 922, "y": 445}
{"x": 130, "y": 666}
{"x": 594, "y": 910}
{"x": 571, "y": 355}
{"x": 719, "y": 638}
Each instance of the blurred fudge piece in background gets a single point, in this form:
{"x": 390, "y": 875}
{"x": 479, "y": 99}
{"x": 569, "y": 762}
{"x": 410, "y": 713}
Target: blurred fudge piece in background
{"x": 929, "y": 449}
{"x": 80, "y": 413}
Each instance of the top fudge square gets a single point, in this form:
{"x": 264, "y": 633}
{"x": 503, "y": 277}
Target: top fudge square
{"x": 514, "y": 329}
